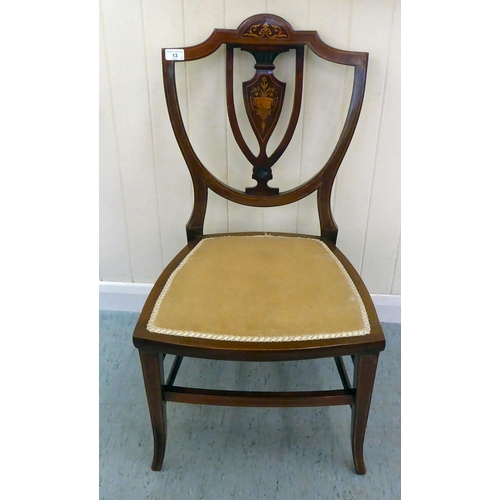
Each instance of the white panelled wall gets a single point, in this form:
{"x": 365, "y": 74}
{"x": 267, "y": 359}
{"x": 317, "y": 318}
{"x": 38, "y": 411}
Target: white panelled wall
{"x": 145, "y": 190}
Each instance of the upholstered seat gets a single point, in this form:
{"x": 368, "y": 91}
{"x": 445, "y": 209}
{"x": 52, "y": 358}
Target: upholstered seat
{"x": 260, "y": 289}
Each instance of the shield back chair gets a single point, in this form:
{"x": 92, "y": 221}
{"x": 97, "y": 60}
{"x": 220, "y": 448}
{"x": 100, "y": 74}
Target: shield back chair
{"x": 261, "y": 297}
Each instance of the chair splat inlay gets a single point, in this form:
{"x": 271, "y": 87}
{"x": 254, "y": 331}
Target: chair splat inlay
{"x": 263, "y": 96}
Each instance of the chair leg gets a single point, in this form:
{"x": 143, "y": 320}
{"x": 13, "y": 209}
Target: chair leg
{"x": 365, "y": 367}
{"x": 152, "y": 370}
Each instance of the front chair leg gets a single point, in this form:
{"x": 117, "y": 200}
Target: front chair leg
{"x": 365, "y": 367}
{"x": 152, "y": 370}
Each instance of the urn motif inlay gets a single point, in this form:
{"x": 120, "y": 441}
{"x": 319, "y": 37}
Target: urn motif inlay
{"x": 264, "y": 99}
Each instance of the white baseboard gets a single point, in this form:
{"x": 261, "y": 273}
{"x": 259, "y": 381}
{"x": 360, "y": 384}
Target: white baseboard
{"x": 388, "y": 307}
{"x": 130, "y": 297}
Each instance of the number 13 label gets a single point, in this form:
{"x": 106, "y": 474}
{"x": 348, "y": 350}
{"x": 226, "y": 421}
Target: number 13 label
{"x": 174, "y": 54}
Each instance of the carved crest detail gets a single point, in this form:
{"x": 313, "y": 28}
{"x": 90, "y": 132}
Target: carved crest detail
{"x": 266, "y": 31}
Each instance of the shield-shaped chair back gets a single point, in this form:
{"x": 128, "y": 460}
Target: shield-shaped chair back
{"x": 265, "y": 36}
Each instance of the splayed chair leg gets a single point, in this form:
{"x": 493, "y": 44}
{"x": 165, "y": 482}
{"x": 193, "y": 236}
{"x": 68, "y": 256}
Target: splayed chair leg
{"x": 152, "y": 370}
{"x": 365, "y": 367}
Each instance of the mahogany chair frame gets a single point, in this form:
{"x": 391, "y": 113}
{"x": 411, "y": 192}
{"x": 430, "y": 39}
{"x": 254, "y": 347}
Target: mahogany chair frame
{"x": 265, "y": 36}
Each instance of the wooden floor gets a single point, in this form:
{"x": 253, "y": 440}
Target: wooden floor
{"x": 247, "y": 453}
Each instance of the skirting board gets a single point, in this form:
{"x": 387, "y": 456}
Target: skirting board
{"x": 130, "y": 297}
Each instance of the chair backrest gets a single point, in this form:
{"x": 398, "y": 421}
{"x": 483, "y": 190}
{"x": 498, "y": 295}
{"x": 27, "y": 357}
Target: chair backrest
{"x": 265, "y": 36}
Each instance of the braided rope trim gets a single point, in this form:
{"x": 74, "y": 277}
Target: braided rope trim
{"x": 257, "y": 338}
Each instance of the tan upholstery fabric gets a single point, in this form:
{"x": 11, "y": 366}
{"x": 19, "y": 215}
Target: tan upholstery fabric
{"x": 260, "y": 288}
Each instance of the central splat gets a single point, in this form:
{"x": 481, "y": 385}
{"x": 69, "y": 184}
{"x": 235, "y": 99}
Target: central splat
{"x": 263, "y": 96}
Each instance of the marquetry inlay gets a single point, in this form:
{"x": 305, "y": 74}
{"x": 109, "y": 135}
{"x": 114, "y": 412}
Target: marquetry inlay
{"x": 264, "y": 98}
{"x": 266, "y": 31}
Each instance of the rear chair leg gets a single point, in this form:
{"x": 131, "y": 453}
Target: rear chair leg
{"x": 365, "y": 367}
{"x": 152, "y": 370}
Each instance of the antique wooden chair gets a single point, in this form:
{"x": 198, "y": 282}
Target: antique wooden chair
{"x": 261, "y": 297}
